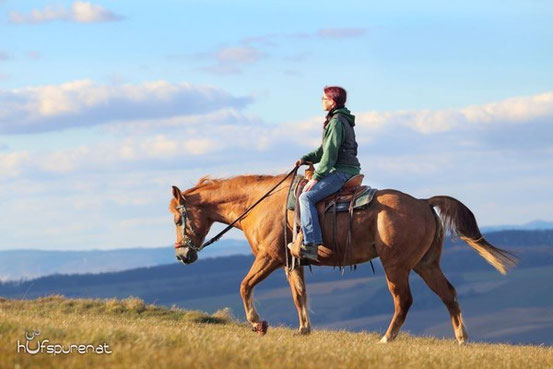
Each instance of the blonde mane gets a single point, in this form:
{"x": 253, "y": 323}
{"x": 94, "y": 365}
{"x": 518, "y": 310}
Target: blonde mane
{"x": 203, "y": 182}
{"x": 238, "y": 181}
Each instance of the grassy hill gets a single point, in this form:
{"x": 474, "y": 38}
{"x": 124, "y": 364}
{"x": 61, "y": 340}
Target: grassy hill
{"x": 517, "y": 308}
{"x": 148, "y": 336}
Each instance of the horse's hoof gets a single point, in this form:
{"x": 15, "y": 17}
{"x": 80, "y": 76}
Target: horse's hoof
{"x": 384, "y": 340}
{"x": 261, "y": 328}
{"x": 302, "y": 331}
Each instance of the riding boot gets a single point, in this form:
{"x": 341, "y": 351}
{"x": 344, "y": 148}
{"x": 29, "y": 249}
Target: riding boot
{"x": 302, "y": 251}
{"x": 309, "y": 252}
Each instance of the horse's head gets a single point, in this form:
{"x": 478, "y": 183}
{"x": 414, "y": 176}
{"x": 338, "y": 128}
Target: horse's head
{"x": 192, "y": 225}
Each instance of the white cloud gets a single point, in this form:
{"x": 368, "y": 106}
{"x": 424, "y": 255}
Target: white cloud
{"x": 121, "y": 155}
{"x": 80, "y": 12}
{"x": 228, "y": 135}
{"x": 160, "y": 146}
{"x": 13, "y": 163}
{"x": 85, "y": 12}
{"x": 62, "y": 161}
{"x": 514, "y": 110}
{"x": 38, "y": 16}
{"x": 85, "y": 103}
{"x": 200, "y": 146}
{"x": 224, "y": 116}
{"x": 426, "y": 164}
{"x": 518, "y": 110}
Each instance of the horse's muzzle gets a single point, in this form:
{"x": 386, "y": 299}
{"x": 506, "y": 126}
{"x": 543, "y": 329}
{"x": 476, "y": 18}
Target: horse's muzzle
{"x": 186, "y": 255}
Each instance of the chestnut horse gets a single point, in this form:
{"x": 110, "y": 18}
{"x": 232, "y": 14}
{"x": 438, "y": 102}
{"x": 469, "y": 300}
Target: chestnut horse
{"x": 404, "y": 232}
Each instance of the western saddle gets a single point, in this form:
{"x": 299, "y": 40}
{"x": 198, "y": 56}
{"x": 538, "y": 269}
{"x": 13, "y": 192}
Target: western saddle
{"x": 352, "y": 195}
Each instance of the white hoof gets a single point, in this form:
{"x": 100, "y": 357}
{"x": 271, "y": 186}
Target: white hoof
{"x": 383, "y": 340}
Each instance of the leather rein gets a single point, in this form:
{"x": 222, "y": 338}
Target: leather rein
{"x": 182, "y": 210}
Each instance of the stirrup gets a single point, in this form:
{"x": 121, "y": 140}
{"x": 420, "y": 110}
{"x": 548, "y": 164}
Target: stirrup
{"x": 294, "y": 251}
{"x": 324, "y": 252}
{"x": 298, "y": 251}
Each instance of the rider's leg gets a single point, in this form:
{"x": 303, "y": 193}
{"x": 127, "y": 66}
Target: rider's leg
{"x": 309, "y": 218}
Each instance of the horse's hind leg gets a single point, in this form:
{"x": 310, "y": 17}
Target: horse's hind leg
{"x": 299, "y": 293}
{"x": 260, "y": 269}
{"x": 398, "y": 284}
{"x": 435, "y": 279}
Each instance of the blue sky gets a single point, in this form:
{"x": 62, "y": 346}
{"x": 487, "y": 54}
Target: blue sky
{"x": 106, "y": 104}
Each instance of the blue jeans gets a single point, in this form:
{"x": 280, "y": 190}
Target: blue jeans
{"x": 330, "y": 184}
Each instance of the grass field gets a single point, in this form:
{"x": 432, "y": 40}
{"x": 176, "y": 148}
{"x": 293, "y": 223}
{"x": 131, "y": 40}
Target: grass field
{"x": 148, "y": 336}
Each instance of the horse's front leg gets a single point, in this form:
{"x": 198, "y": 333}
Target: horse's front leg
{"x": 299, "y": 293}
{"x": 261, "y": 268}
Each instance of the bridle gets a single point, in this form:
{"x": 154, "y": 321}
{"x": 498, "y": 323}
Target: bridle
{"x": 187, "y": 242}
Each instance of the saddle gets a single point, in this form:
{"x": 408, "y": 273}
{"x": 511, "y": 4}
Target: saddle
{"x": 361, "y": 195}
{"x": 352, "y": 196}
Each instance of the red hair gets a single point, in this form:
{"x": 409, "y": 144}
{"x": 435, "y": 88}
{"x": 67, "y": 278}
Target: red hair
{"x": 336, "y": 94}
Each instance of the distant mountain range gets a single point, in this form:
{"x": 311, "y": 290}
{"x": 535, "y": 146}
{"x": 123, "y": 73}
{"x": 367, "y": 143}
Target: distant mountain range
{"x": 530, "y": 226}
{"x": 29, "y": 263}
{"x": 517, "y": 308}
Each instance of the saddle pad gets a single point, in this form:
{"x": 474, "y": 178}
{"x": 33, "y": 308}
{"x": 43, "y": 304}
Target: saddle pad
{"x": 362, "y": 199}
{"x": 291, "y": 201}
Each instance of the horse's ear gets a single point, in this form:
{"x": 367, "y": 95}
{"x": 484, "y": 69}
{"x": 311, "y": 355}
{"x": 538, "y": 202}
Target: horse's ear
{"x": 177, "y": 194}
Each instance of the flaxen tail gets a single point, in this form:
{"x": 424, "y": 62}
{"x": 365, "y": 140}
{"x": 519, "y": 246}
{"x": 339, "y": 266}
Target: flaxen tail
{"x": 458, "y": 219}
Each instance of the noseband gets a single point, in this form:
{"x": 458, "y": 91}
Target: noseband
{"x": 183, "y": 220}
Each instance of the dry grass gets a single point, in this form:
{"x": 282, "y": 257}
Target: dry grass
{"x": 147, "y": 336}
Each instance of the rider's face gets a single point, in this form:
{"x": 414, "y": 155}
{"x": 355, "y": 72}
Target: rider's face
{"x": 328, "y": 103}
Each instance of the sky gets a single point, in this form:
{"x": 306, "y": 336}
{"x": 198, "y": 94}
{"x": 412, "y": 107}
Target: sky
{"x": 104, "y": 105}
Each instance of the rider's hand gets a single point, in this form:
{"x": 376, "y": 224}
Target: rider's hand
{"x": 299, "y": 162}
{"x": 310, "y": 185}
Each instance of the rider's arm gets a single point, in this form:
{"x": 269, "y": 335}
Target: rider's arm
{"x": 314, "y": 156}
{"x": 334, "y": 136}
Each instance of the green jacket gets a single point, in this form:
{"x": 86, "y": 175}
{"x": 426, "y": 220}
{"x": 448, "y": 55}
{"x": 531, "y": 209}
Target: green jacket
{"x": 338, "y": 151}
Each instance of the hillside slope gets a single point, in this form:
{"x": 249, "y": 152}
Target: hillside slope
{"x": 147, "y": 336}
{"x": 516, "y": 308}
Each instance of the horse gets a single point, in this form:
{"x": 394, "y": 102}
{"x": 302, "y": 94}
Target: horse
{"x": 406, "y": 233}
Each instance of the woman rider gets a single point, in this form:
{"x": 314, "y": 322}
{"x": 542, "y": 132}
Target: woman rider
{"x": 337, "y": 158}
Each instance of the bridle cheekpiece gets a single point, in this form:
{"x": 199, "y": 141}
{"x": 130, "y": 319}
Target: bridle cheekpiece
{"x": 187, "y": 242}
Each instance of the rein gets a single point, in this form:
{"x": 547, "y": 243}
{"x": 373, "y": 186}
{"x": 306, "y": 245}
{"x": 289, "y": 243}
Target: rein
{"x": 216, "y": 238}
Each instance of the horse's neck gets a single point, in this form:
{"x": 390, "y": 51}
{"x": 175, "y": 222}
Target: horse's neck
{"x": 228, "y": 199}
